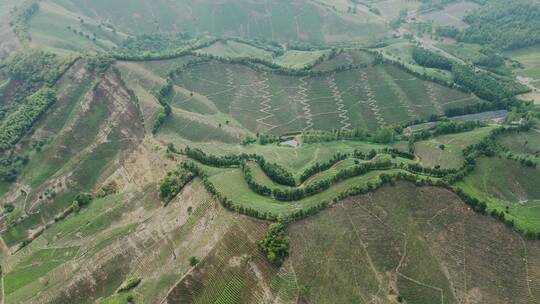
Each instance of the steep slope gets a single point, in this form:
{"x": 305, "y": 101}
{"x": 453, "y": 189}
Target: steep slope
{"x": 89, "y": 128}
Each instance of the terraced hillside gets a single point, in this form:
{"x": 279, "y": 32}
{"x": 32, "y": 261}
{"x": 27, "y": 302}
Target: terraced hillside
{"x": 108, "y": 113}
{"x": 266, "y": 102}
{"x": 514, "y": 192}
{"x": 253, "y": 151}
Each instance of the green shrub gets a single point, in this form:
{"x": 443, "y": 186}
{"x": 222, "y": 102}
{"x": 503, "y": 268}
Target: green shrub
{"x": 129, "y": 284}
{"x": 275, "y": 244}
{"x": 8, "y": 207}
{"x": 193, "y": 260}
{"x": 20, "y": 121}
{"x": 429, "y": 59}
{"x": 173, "y": 183}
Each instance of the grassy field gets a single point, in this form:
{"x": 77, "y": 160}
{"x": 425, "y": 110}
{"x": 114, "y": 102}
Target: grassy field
{"x": 233, "y": 49}
{"x": 522, "y": 142}
{"x": 529, "y": 57}
{"x": 401, "y": 51}
{"x": 232, "y": 184}
{"x": 291, "y": 59}
{"x": 299, "y": 59}
{"x": 465, "y": 51}
{"x": 48, "y": 28}
{"x": 35, "y": 266}
{"x": 10, "y": 43}
{"x": 505, "y": 183}
{"x": 345, "y": 58}
{"x": 430, "y": 154}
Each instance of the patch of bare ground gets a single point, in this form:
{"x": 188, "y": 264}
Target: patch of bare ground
{"x": 532, "y": 96}
{"x": 143, "y": 167}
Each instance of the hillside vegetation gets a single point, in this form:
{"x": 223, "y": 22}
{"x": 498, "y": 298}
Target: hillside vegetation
{"x": 245, "y": 151}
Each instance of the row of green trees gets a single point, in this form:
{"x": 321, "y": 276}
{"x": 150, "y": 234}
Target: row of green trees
{"x": 280, "y": 175}
{"x": 261, "y": 139}
{"x": 315, "y": 136}
{"x": 303, "y": 213}
{"x": 271, "y": 46}
{"x": 480, "y": 83}
{"x": 436, "y": 171}
{"x": 212, "y": 160}
{"x": 17, "y": 123}
{"x": 394, "y": 152}
{"x": 295, "y": 194}
{"x": 264, "y": 139}
{"x": 384, "y": 178}
{"x": 30, "y": 69}
{"x": 225, "y": 201}
{"x": 274, "y": 171}
{"x": 154, "y": 43}
{"x": 382, "y": 135}
{"x": 31, "y": 72}
{"x": 486, "y": 147}
{"x": 430, "y": 59}
{"x": 455, "y": 126}
{"x": 501, "y": 215}
{"x": 160, "y": 50}
{"x": 320, "y": 167}
{"x": 99, "y": 63}
{"x": 21, "y": 19}
{"x": 363, "y": 155}
{"x": 252, "y": 183}
{"x": 188, "y": 49}
{"x": 162, "y": 96}
{"x": 524, "y": 160}
{"x": 264, "y": 65}
{"x": 475, "y": 108}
